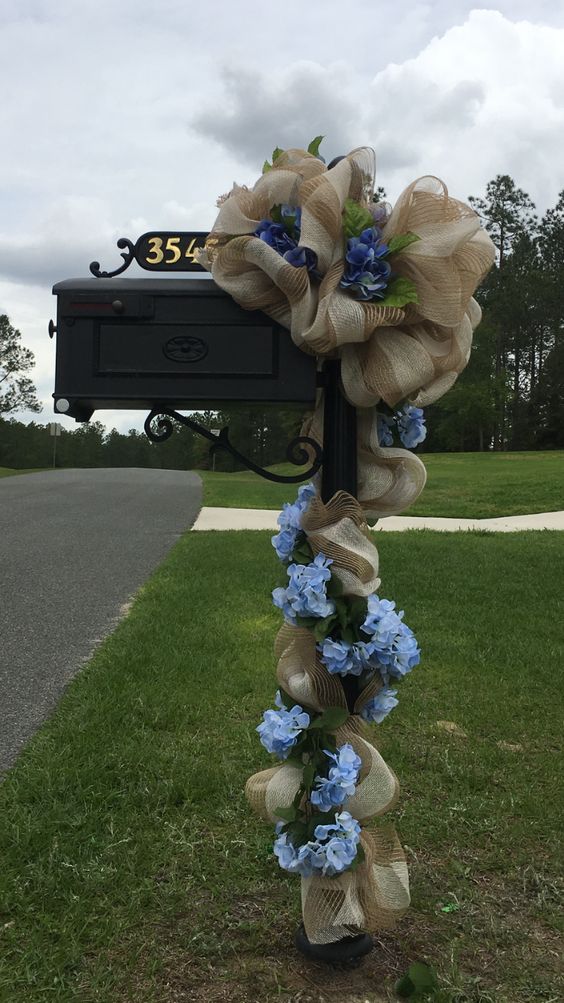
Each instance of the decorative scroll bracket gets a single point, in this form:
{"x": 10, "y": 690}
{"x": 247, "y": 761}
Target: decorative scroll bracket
{"x": 295, "y": 452}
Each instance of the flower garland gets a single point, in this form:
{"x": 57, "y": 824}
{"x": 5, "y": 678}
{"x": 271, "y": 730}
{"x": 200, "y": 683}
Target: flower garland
{"x": 356, "y": 636}
{"x": 388, "y": 292}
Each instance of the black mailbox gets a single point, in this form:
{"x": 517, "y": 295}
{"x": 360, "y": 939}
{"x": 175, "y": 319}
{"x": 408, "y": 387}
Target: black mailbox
{"x": 170, "y": 343}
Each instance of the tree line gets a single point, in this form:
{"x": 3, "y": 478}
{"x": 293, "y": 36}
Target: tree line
{"x": 260, "y": 434}
{"x": 510, "y": 396}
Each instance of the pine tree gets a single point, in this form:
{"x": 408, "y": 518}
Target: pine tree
{"x": 17, "y": 391}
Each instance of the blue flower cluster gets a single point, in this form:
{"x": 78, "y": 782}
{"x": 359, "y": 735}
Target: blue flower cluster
{"x": 380, "y": 706}
{"x": 385, "y": 424}
{"x": 331, "y": 852}
{"x": 344, "y": 659}
{"x": 290, "y": 522}
{"x": 411, "y": 426}
{"x": 366, "y": 272}
{"x": 391, "y": 649}
{"x": 306, "y": 594}
{"x": 393, "y": 643}
{"x": 281, "y": 728}
{"x": 284, "y": 237}
{"x": 331, "y": 791}
{"x": 410, "y": 422}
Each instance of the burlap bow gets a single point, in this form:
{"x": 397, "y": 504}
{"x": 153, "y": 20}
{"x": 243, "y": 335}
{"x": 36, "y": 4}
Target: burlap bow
{"x": 413, "y": 353}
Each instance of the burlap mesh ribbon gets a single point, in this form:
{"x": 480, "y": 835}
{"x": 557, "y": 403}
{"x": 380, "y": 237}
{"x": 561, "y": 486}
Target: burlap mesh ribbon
{"x": 414, "y": 354}
{"x": 377, "y": 893}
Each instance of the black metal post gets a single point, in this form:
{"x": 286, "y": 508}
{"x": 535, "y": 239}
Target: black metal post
{"x": 339, "y": 473}
{"x": 339, "y": 436}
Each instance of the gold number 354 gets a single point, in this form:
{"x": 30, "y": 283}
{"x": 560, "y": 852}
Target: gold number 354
{"x": 156, "y": 254}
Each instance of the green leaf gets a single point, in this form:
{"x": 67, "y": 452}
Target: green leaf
{"x": 266, "y": 167}
{"x": 275, "y": 213}
{"x": 358, "y": 609}
{"x": 330, "y": 743}
{"x": 288, "y": 814}
{"x": 348, "y": 635}
{"x": 307, "y": 621}
{"x": 334, "y": 587}
{"x": 276, "y": 153}
{"x": 401, "y": 241}
{"x": 303, "y": 553}
{"x": 323, "y": 627}
{"x": 400, "y": 292}
{"x": 355, "y": 219}
{"x": 419, "y": 981}
{"x": 319, "y": 819}
{"x": 342, "y": 611}
{"x": 313, "y": 147}
{"x": 331, "y": 718}
{"x": 297, "y": 831}
{"x": 308, "y": 775}
{"x": 405, "y": 987}
{"x": 422, "y": 977}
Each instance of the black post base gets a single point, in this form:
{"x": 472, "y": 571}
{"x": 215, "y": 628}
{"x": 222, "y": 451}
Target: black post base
{"x": 347, "y": 951}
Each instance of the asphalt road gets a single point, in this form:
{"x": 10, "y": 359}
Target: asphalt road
{"x": 74, "y": 547}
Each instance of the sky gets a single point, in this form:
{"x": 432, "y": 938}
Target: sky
{"x": 122, "y": 116}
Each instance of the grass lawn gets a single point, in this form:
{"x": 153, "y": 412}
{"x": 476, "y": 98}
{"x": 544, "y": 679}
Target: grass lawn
{"x": 10, "y": 471}
{"x": 459, "y": 485}
{"x": 132, "y": 870}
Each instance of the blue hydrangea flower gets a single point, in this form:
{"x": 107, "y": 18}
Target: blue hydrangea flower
{"x": 286, "y": 852}
{"x": 380, "y": 706}
{"x": 406, "y": 654}
{"x": 300, "y": 256}
{"x": 344, "y": 659}
{"x": 306, "y": 595}
{"x": 336, "y": 656}
{"x": 411, "y": 426}
{"x": 381, "y": 616}
{"x": 331, "y": 852}
{"x": 366, "y": 272}
{"x": 290, "y": 522}
{"x": 341, "y": 782}
{"x": 277, "y": 236}
{"x": 340, "y": 854}
{"x": 393, "y": 644}
{"x": 280, "y": 729}
{"x": 348, "y": 825}
{"x": 384, "y": 424}
{"x": 284, "y": 543}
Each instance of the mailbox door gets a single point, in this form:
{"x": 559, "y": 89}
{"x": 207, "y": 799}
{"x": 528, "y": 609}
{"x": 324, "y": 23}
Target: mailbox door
{"x": 178, "y": 343}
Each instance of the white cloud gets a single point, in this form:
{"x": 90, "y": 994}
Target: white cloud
{"x": 485, "y": 98}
